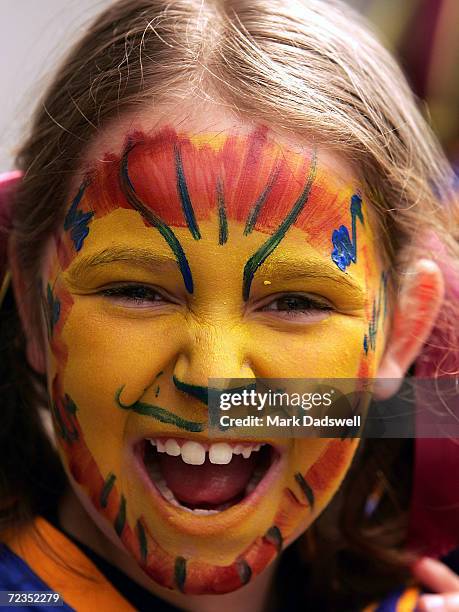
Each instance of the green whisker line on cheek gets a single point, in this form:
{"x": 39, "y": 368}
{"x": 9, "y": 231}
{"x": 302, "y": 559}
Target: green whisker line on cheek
{"x": 180, "y": 572}
{"x": 142, "y": 541}
{"x": 268, "y": 247}
{"x": 274, "y": 536}
{"x": 121, "y": 517}
{"x": 160, "y": 414}
{"x": 154, "y": 220}
{"x": 244, "y": 571}
{"x": 305, "y": 488}
{"x": 106, "y": 489}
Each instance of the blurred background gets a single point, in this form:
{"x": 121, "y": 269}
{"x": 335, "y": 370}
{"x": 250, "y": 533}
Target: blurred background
{"x": 35, "y": 35}
{"x": 423, "y": 34}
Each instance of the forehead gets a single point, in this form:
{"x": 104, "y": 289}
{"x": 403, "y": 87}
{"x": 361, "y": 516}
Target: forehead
{"x": 253, "y": 178}
{"x": 248, "y": 183}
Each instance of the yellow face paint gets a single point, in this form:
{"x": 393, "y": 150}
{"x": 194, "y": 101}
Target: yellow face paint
{"x": 190, "y": 257}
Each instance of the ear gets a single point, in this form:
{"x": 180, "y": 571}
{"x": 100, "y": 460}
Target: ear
{"x": 27, "y": 309}
{"x": 413, "y": 318}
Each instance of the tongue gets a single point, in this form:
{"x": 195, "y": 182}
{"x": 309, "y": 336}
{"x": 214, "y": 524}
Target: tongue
{"x": 206, "y": 484}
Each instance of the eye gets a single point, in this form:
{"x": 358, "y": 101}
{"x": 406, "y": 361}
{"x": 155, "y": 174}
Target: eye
{"x": 298, "y": 307}
{"x": 134, "y": 295}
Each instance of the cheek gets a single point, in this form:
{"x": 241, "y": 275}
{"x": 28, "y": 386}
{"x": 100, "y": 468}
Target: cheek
{"x": 98, "y": 355}
{"x": 115, "y": 351}
{"x": 332, "y": 349}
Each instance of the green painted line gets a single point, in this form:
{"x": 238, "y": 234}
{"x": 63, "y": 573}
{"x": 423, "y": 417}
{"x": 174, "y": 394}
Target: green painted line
{"x": 182, "y": 188}
{"x": 142, "y": 541}
{"x": 106, "y": 489}
{"x": 305, "y": 488}
{"x": 180, "y": 572}
{"x": 274, "y": 536}
{"x": 121, "y": 517}
{"x": 160, "y": 414}
{"x": 200, "y": 393}
{"x": 222, "y": 219}
{"x": 273, "y": 241}
{"x": 70, "y": 409}
{"x": 253, "y": 215}
{"x": 244, "y": 570}
{"x": 155, "y": 221}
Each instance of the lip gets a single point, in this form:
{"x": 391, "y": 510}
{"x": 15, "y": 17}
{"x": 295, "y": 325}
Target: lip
{"x": 215, "y": 523}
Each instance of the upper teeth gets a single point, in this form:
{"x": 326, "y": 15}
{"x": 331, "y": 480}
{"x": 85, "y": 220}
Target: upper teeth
{"x": 194, "y": 453}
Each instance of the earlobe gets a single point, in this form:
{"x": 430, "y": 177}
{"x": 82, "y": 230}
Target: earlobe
{"x": 414, "y": 316}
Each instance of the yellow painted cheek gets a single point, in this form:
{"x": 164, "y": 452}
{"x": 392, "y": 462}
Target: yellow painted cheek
{"x": 330, "y": 349}
{"x": 104, "y": 356}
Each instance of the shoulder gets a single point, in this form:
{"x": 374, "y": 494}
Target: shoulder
{"x": 39, "y": 557}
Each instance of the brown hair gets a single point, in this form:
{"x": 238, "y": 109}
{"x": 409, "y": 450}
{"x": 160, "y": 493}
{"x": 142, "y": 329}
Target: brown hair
{"x": 309, "y": 67}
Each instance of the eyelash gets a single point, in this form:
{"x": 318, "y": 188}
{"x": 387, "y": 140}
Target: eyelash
{"x": 127, "y": 292}
{"x": 310, "y": 305}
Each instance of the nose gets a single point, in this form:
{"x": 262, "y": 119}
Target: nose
{"x": 216, "y": 352}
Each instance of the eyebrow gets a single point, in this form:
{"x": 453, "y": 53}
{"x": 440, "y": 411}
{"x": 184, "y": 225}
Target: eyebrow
{"x": 139, "y": 257}
{"x": 293, "y": 269}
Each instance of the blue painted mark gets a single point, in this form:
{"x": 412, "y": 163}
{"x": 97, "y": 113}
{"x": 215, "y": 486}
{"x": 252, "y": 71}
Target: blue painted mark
{"x": 54, "y": 309}
{"x": 76, "y": 221}
{"x": 344, "y": 248}
{"x": 369, "y": 339}
{"x": 365, "y": 344}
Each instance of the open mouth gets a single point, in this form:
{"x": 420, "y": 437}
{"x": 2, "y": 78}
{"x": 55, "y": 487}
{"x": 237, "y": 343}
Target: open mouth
{"x": 206, "y": 478}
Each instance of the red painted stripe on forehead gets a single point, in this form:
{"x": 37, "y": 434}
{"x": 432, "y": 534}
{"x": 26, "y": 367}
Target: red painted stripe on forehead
{"x": 103, "y": 193}
{"x": 244, "y": 166}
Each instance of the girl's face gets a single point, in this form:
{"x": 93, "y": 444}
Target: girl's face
{"x": 188, "y": 254}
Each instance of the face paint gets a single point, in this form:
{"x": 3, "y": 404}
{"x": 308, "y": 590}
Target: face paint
{"x": 188, "y": 257}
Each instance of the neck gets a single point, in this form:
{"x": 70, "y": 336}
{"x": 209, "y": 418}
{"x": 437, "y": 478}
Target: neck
{"x": 75, "y": 521}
